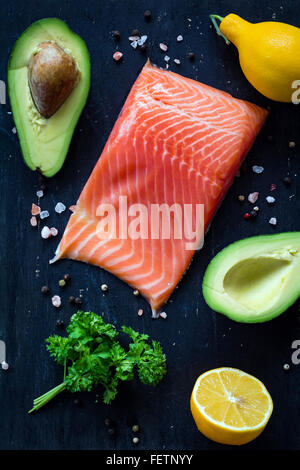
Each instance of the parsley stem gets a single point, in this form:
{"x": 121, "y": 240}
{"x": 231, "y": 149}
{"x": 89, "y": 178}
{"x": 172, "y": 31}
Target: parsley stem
{"x": 44, "y": 399}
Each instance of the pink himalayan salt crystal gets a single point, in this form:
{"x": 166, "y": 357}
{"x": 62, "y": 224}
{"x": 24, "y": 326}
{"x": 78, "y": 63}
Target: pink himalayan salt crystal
{"x": 33, "y": 221}
{"x": 35, "y": 210}
{"x": 163, "y": 315}
{"x": 53, "y": 231}
{"x": 117, "y": 55}
{"x": 253, "y": 197}
{"x": 140, "y": 312}
{"x": 46, "y": 232}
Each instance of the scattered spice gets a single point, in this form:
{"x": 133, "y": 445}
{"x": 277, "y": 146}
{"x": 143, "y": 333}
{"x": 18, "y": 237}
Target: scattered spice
{"x": 4, "y": 365}
{"x": 46, "y": 232}
{"x": 286, "y": 367}
{"x": 35, "y": 210}
{"x": 116, "y": 35}
{"x": 287, "y": 180}
{"x": 60, "y": 323}
{"x": 111, "y": 431}
{"x": 135, "y": 32}
{"x": 163, "y": 47}
{"x": 135, "y": 428}
{"x": 147, "y": 15}
{"x": 67, "y": 277}
{"x": 45, "y": 290}
{"x": 241, "y": 198}
{"x": 53, "y": 231}
{"x": 257, "y": 169}
{"x": 191, "y": 56}
{"x": 56, "y": 301}
{"x": 72, "y": 299}
{"x": 117, "y": 55}
{"x": 61, "y": 283}
{"x": 247, "y": 216}
{"x": 33, "y": 221}
{"x": 78, "y": 301}
{"x": 273, "y": 187}
{"x": 136, "y": 292}
{"x": 256, "y": 208}
{"x": 292, "y": 145}
{"x": 253, "y": 197}
{"x": 273, "y": 221}
{"x": 60, "y": 207}
{"x": 107, "y": 422}
{"x": 104, "y": 287}
{"x": 135, "y": 440}
{"x": 140, "y": 312}
{"x": 253, "y": 213}
{"x": 44, "y": 214}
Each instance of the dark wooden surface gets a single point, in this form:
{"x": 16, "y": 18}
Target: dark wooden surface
{"x": 194, "y": 338}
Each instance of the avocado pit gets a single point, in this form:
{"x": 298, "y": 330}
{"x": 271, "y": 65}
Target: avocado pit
{"x": 52, "y": 75}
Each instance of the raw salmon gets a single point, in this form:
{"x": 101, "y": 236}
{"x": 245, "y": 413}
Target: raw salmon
{"x": 176, "y": 141}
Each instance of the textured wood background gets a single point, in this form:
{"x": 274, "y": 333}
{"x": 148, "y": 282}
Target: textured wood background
{"x": 194, "y": 338}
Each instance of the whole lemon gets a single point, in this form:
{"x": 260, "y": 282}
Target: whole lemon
{"x": 269, "y": 54}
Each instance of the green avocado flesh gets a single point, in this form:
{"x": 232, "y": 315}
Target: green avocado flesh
{"x": 45, "y": 142}
{"x": 255, "y": 279}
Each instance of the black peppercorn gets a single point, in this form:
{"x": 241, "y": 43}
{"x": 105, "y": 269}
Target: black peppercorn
{"x": 45, "y": 290}
{"x": 116, "y": 35}
{"x": 148, "y": 15}
{"x": 191, "y": 55}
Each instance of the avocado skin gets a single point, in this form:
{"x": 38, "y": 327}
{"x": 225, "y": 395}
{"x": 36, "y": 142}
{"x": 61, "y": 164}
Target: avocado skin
{"x": 47, "y": 157}
{"x": 217, "y": 300}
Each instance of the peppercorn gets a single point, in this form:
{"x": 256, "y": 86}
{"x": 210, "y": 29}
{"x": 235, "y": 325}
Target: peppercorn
{"x": 241, "y": 198}
{"x": 72, "y": 299}
{"x": 136, "y": 292}
{"x": 116, "y": 35}
{"x": 107, "y": 422}
{"x": 287, "y": 180}
{"x": 111, "y": 431}
{"x": 60, "y": 323}
{"x": 147, "y": 15}
{"x": 104, "y": 287}
{"x": 45, "y": 290}
{"x": 61, "y": 283}
{"x": 78, "y": 301}
{"x": 67, "y": 277}
{"x": 135, "y": 440}
{"x": 135, "y": 428}
{"x": 135, "y": 32}
{"x": 292, "y": 145}
{"x": 191, "y": 55}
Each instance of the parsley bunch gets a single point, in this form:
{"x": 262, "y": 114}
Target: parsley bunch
{"x": 91, "y": 355}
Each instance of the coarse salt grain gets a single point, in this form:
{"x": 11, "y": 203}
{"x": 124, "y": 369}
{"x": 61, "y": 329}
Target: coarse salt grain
{"x": 179, "y": 38}
{"x": 4, "y": 365}
{"x": 35, "y": 210}
{"x": 40, "y": 193}
{"x": 44, "y": 214}
{"x": 273, "y": 221}
{"x": 104, "y": 287}
{"x": 117, "y": 55}
{"x": 53, "y": 231}
{"x": 177, "y": 61}
{"x": 253, "y": 197}
{"x": 134, "y": 38}
{"x": 140, "y": 312}
{"x": 163, "y": 47}
{"x": 33, "y": 221}
{"x": 163, "y": 315}
{"x": 60, "y": 207}
{"x": 134, "y": 44}
{"x": 270, "y": 199}
{"x": 56, "y": 301}
{"x": 166, "y": 58}
{"x": 14, "y": 130}
{"x": 72, "y": 208}
{"x": 257, "y": 169}
{"x": 142, "y": 40}
{"x": 46, "y": 232}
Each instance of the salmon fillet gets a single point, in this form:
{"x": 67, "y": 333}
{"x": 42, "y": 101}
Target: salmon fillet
{"x": 176, "y": 141}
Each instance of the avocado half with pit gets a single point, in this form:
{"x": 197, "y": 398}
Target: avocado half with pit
{"x": 48, "y": 85}
{"x": 255, "y": 279}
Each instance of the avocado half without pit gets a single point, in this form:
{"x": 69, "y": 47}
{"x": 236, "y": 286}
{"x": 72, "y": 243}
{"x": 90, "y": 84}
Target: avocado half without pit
{"x": 255, "y": 279}
{"x": 48, "y": 85}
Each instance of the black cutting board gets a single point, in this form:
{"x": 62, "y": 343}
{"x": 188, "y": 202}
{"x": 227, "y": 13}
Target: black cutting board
{"x": 194, "y": 338}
